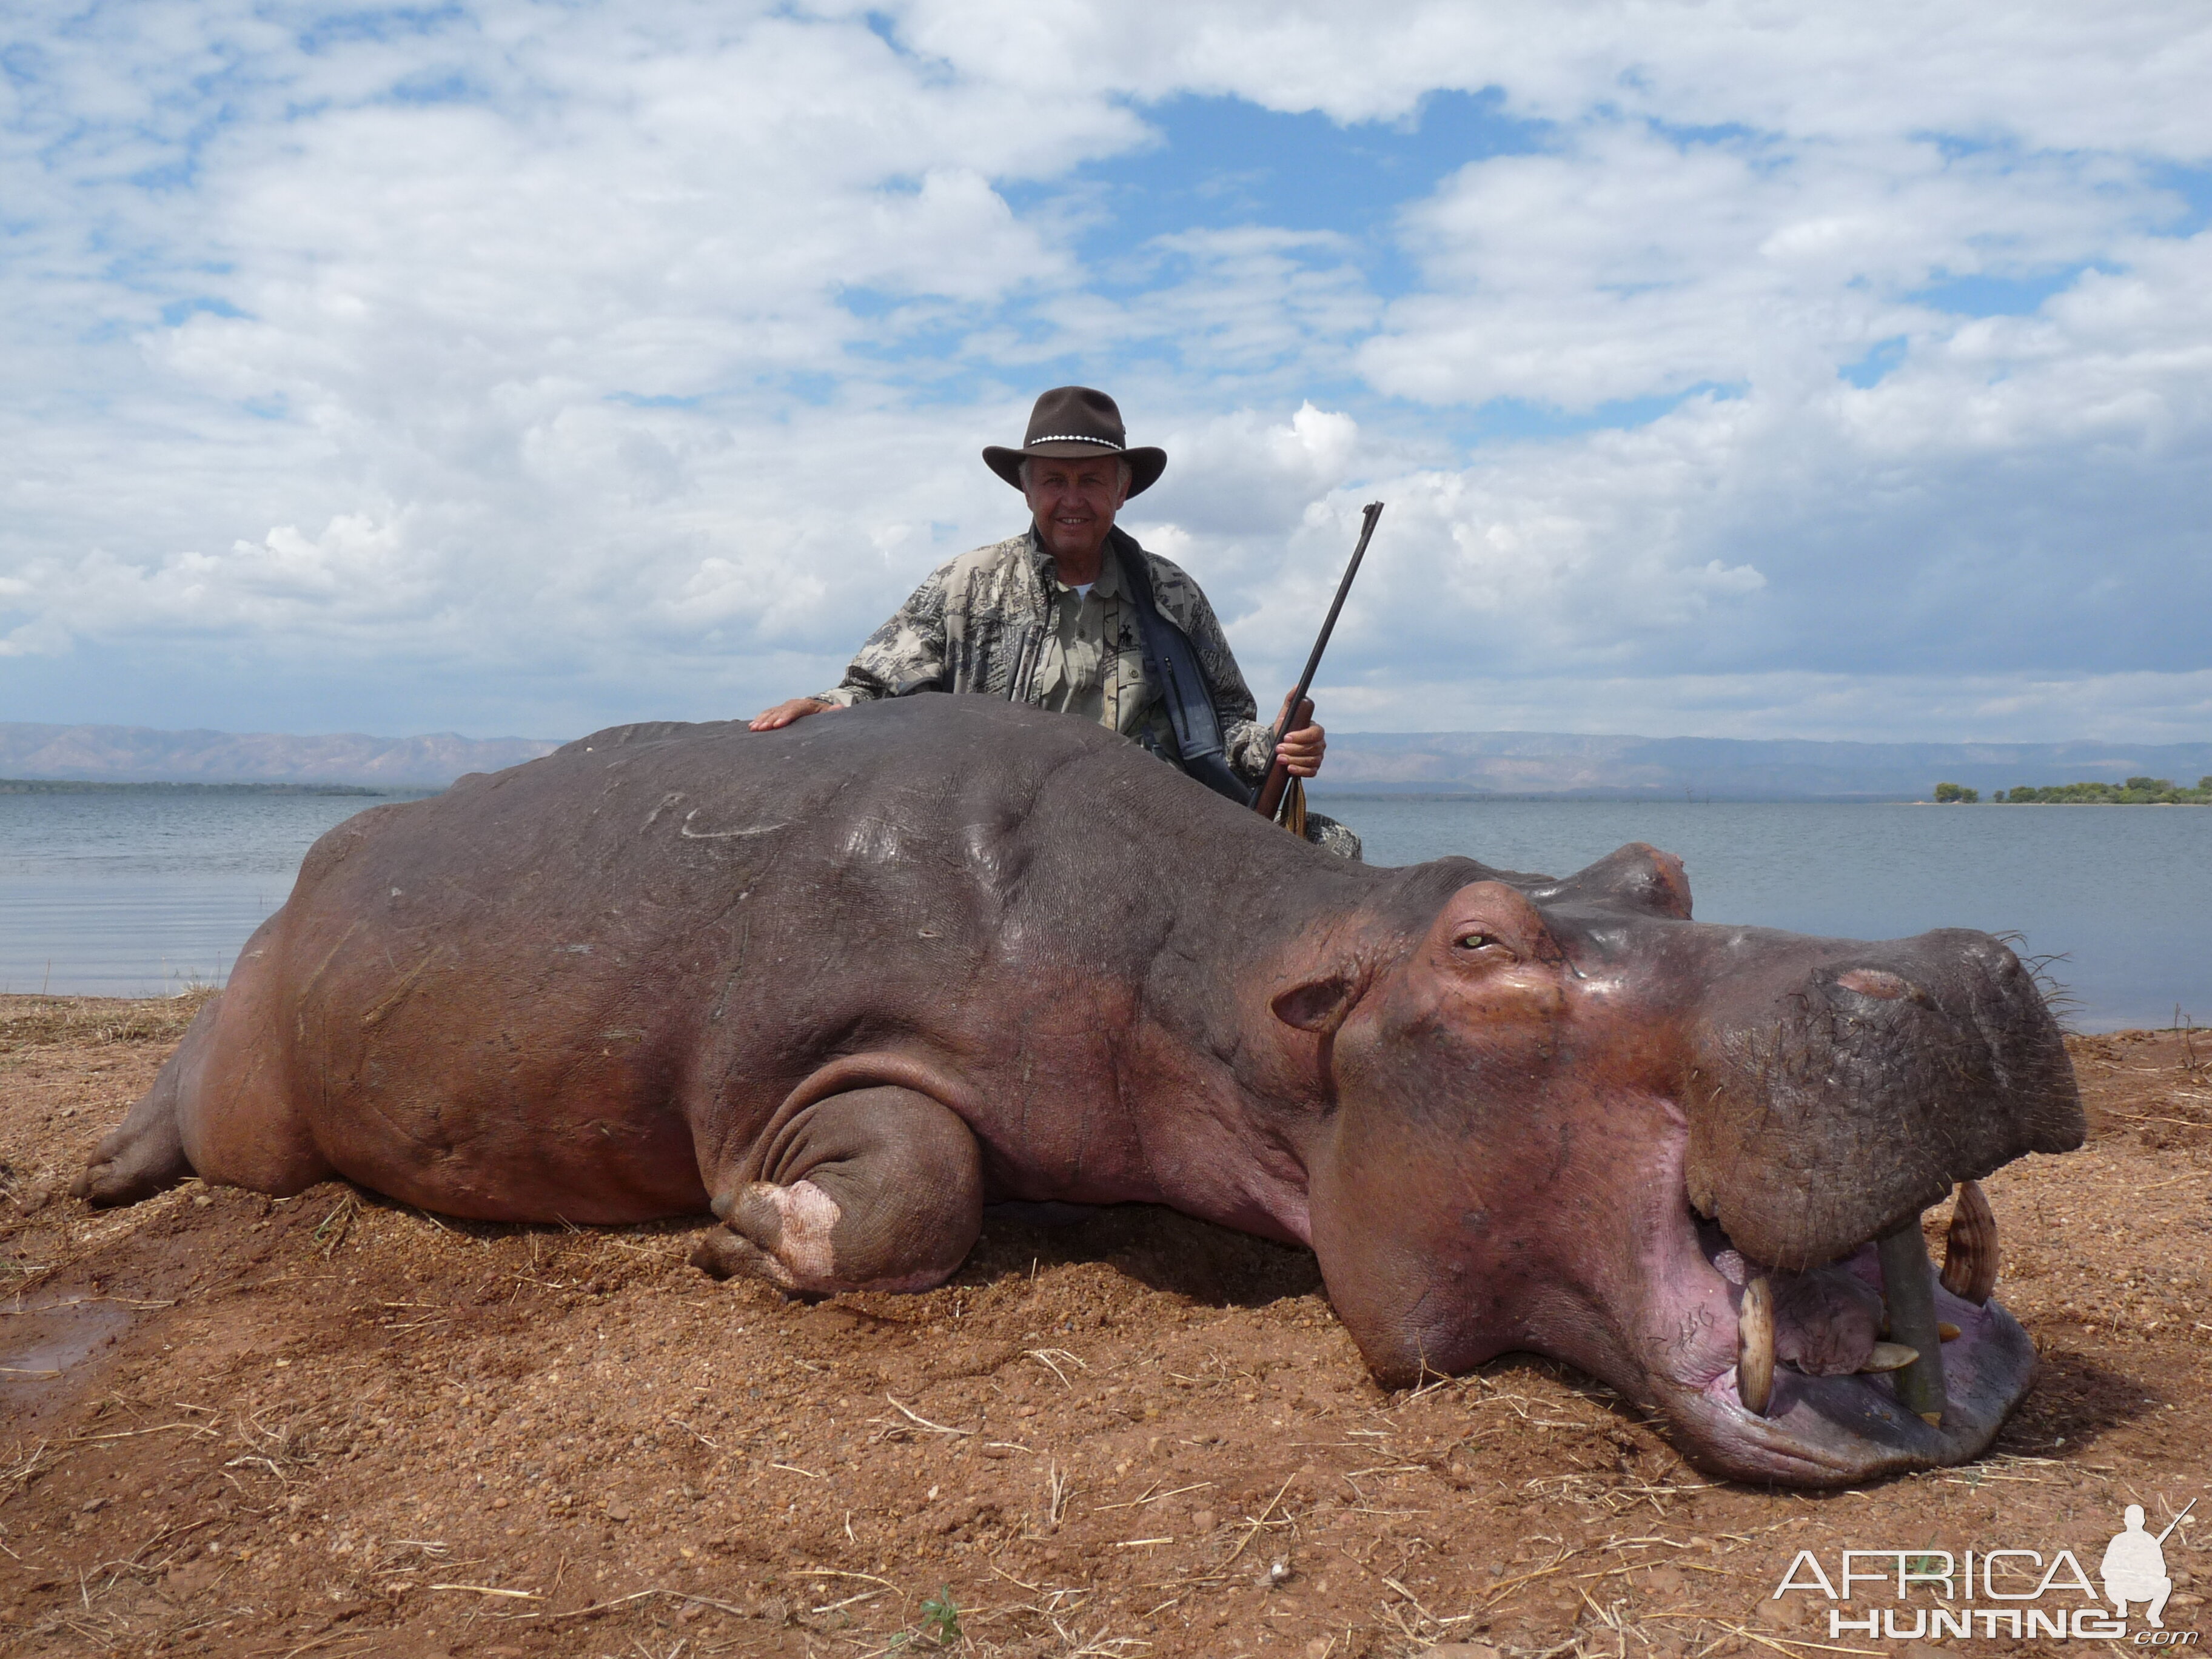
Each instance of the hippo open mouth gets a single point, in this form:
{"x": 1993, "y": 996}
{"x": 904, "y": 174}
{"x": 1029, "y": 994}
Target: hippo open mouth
{"x": 1827, "y": 1374}
{"x": 1822, "y": 1123}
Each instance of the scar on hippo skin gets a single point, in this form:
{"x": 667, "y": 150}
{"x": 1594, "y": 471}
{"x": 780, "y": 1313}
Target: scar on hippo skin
{"x": 781, "y": 1234}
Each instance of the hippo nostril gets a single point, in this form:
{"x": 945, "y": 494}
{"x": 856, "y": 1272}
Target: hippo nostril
{"x": 1874, "y": 982}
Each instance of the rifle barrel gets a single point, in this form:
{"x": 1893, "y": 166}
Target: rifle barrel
{"x": 1278, "y": 780}
{"x": 1373, "y": 511}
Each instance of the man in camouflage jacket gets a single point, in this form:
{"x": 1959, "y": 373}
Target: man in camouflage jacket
{"x": 1045, "y": 618}
{"x": 1000, "y": 621}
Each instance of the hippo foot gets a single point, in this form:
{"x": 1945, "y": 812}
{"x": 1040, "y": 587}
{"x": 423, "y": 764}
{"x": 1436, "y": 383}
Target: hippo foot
{"x": 875, "y": 1190}
{"x": 724, "y": 1254}
{"x": 787, "y": 1237}
{"x": 105, "y": 1183}
{"x": 144, "y": 1154}
{"x": 781, "y": 1234}
{"x": 143, "y": 1157}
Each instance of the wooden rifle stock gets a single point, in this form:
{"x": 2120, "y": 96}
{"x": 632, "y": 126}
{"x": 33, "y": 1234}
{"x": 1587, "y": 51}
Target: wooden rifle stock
{"x": 1300, "y": 709}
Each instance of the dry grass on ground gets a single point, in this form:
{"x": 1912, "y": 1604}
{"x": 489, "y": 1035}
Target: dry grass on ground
{"x": 338, "y": 1427}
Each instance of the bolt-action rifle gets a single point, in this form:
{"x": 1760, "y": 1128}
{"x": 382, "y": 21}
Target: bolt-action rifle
{"x": 1299, "y": 710}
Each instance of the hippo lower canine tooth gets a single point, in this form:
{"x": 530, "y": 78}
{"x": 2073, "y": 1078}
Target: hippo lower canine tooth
{"x": 1908, "y": 1286}
{"x": 1890, "y": 1357}
{"x": 1969, "y": 1249}
{"x": 1754, "y": 1347}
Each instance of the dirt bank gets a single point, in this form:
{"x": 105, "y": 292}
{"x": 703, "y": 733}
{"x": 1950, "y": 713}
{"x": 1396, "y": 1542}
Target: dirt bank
{"x": 338, "y": 1427}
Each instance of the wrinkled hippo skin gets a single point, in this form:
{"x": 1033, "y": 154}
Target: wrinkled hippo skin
{"x": 845, "y": 983}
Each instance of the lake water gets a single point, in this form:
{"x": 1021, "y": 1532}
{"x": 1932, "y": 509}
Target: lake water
{"x": 2122, "y": 894}
{"x": 137, "y": 894}
{"x": 133, "y": 895}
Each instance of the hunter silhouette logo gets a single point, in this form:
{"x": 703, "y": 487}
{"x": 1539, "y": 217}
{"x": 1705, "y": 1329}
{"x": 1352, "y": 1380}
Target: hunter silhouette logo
{"x": 2134, "y": 1566}
{"x": 2013, "y": 1593}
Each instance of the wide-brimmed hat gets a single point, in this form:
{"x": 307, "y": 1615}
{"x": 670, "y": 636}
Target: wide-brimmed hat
{"x": 1070, "y": 421}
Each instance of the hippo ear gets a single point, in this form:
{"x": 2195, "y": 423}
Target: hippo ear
{"x": 1319, "y": 1005}
{"x": 1638, "y": 874}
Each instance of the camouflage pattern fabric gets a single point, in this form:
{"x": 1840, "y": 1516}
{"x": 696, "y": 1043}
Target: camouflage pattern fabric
{"x": 1000, "y": 621}
{"x": 1331, "y": 836}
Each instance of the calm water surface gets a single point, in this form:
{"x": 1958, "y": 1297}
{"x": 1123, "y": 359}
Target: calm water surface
{"x": 130, "y": 895}
{"x": 2122, "y": 894}
{"x": 133, "y": 895}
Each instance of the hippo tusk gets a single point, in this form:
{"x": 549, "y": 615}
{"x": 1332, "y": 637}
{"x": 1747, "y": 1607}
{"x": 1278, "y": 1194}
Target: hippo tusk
{"x": 1908, "y": 1286}
{"x": 1754, "y": 1347}
{"x": 1969, "y": 1249}
{"x": 1890, "y": 1357}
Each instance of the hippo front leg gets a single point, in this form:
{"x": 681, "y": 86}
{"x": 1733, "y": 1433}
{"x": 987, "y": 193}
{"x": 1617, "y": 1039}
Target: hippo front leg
{"x": 876, "y": 1190}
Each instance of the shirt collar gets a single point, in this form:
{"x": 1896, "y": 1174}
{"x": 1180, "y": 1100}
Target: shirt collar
{"x": 1109, "y": 584}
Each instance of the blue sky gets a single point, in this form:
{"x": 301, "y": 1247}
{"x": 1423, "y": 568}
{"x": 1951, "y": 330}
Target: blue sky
{"x": 1729, "y": 369}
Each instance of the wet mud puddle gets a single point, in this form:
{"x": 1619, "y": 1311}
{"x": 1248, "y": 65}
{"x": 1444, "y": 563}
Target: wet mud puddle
{"x": 41, "y": 1340}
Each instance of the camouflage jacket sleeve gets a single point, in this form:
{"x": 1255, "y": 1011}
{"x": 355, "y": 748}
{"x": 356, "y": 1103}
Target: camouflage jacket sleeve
{"x": 1243, "y": 738}
{"x": 907, "y": 653}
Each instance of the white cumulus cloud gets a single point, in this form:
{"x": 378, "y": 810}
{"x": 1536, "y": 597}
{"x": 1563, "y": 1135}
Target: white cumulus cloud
{"x": 510, "y": 366}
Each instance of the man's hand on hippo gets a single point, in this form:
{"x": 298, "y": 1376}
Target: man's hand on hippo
{"x": 784, "y": 712}
{"x": 1301, "y": 749}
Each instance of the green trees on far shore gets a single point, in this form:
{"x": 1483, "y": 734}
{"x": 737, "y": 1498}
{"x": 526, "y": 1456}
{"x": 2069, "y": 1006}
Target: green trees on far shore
{"x": 1945, "y": 793}
{"x": 2135, "y": 791}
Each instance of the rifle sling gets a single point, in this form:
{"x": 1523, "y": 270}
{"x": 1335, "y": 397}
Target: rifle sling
{"x": 1174, "y": 668}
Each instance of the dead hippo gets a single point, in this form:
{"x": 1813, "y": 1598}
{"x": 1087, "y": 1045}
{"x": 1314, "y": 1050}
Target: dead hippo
{"x": 846, "y": 982}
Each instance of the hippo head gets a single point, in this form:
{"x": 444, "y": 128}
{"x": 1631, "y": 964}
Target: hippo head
{"x": 1570, "y": 1119}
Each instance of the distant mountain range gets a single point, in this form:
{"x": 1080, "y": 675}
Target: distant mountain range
{"x": 1393, "y": 762}
{"x": 138, "y": 754}
{"x": 1727, "y": 768}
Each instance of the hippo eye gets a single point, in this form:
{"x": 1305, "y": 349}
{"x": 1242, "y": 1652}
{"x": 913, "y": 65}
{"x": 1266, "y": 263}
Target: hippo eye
{"x": 1475, "y": 941}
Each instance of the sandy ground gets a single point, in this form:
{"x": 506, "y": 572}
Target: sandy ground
{"x": 335, "y": 1426}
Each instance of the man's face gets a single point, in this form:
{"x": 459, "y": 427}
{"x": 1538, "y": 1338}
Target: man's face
{"x": 1074, "y": 499}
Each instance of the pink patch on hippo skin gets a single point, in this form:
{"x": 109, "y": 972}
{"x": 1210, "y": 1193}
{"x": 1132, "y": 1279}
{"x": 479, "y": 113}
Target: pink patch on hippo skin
{"x": 801, "y": 1257}
{"x": 781, "y": 1234}
{"x": 1671, "y": 884}
{"x": 1874, "y": 982}
{"x": 802, "y": 1246}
